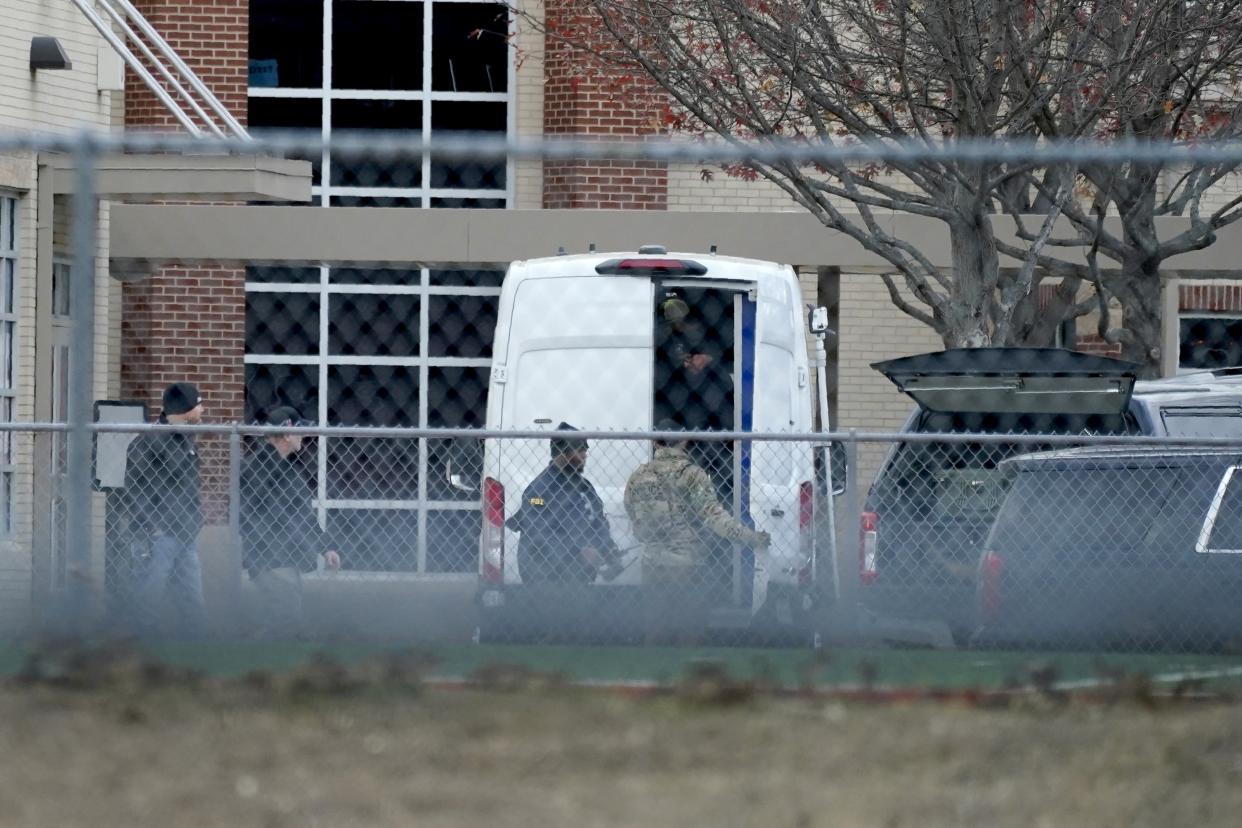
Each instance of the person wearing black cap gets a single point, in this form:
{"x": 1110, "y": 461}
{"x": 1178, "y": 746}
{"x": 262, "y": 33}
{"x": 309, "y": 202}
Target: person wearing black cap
{"x": 162, "y": 486}
{"x": 565, "y": 535}
{"x": 281, "y": 537}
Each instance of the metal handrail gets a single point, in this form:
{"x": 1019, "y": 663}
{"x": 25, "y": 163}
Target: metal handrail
{"x": 131, "y": 60}
{"x": 195, "y": 82}
{"x": 123, "y": 23}
{"x": 175, "y": 76}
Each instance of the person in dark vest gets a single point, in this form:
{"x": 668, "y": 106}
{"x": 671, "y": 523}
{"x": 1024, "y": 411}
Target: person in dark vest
{"x": 565, "y": 535}
{"x": 281, "y": 536}
{"x": 165, "y": 504}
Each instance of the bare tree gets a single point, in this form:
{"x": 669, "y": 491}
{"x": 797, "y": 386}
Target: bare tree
{"x": 924, "y": 71}
{"x": 1160, "y": 70}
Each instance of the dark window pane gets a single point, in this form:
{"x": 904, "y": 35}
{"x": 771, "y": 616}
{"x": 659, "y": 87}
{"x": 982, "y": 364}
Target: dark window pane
{"x": 1208, "y": 343}
{"x": 377, "y": 44}
{"x": 372, "y": 201}
{"x": 469, "y": 203}
{"x": 369, "y": 325}
{"x": 455, "y": 470}
{"x": 282, "y": 323}
{"x": 286, "y": 43}
{"x": 271, "y": 385}
{"x": 453, "y": 540}
{"x": 462, "y": 326}
{"x": 459, "y": 116}
{"x": 468, "y": 278}
{"x": 456, "y": 397}
{"x": 304, "y": 115}
{"x": 375, "y": 540}
{"x": 360, "y": 170}
{"x": 1227, "y": 531}
{"x": 471, "y": 47}
{"x": 291, "y": 275}
{"x": 373, "y": 395}
{"x": 374, "y": 276}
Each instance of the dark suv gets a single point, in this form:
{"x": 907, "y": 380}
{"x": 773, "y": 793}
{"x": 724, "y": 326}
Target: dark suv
{"x": 1116, "y": 547}
{"x": 931, "y": 504}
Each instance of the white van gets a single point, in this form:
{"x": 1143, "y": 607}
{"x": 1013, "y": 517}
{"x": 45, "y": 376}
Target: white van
{"x": 577, "y": 342}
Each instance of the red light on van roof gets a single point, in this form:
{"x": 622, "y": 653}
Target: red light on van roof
{"x": 651, "y": 267}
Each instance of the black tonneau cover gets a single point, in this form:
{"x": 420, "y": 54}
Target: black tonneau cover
{"x": 1017, "y": 380}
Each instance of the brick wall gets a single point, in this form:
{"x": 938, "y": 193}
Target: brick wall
{"x": 212, "y": 36}
{"x": 585, "y": 99}
{"x": 189, "y": 323}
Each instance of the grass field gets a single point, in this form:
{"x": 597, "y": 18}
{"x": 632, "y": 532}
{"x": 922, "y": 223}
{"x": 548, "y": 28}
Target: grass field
{"x": 891, "y": 669}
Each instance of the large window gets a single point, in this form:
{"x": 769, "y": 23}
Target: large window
{"x": 1210, "y": 342}
{"x": 390, "y": 348}
{"x": 8, "y": 341}
{"x": 409, "y": 67}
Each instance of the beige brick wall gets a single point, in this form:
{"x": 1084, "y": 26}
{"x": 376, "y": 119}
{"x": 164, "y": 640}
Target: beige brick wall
{"x": 528, "y": 103}
{"x": 47, "y": 99}
{"x": 689, "y": 189}
{"x": 17, "y": 178}
{"x": 872, "y": 329}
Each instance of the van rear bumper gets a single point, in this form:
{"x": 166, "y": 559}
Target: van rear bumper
{"x": 615, "y": 615}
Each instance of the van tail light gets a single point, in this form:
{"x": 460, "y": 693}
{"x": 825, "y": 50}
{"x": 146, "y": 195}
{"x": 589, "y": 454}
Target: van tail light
{"x": 990, "y": 570}
{"x": 492, "y": 565}
{"x": 868, "y": 534}
{"x": 806, "y": 532}
{"x": 651, "y": 267}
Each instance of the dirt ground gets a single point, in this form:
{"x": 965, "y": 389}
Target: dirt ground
{"x": 265, "y": 754}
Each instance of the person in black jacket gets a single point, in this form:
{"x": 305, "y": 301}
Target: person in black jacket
{"x": 565, "y": 535}
{"x": 281, "y": 537}
{"x": 162, "y": 486}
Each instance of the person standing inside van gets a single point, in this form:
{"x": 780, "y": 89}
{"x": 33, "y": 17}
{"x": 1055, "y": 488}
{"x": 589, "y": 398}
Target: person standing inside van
{"x": 281, "y": 538}
{"x": 671, "y": 503}
{"x": 566, "y": 538}
{"x": 162, "y": 484}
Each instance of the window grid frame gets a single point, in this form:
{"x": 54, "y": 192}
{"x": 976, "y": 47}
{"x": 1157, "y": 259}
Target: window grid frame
{"x": 324, "y": 192}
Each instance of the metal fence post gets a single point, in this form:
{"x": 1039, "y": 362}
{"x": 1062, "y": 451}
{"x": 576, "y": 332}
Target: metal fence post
{"x": 81, "y": 388}
{"x": 849, "y": 550}
{"x": 235, "y": 540}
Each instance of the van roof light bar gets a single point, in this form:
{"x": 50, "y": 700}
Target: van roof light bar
{"x": 651, "y": 267}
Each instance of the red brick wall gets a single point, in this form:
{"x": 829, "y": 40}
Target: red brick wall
{"x": 189, "y": 323}
{"x": 1211, "y": 298}
{"x": 213, "y": 37}
{"x": 597, "y": 99}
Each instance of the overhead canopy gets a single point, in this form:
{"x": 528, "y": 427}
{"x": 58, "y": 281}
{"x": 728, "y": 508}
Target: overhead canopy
{"x": 1014, "y": 380}
{"x": 190, "y": 177}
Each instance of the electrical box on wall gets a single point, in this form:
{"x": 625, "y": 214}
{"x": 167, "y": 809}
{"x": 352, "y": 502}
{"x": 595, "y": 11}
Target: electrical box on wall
{"x": 109, "y": 70}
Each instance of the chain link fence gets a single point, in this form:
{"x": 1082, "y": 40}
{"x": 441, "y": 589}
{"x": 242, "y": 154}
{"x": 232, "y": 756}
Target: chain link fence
{"x": 619, "y": 450}
{"x": 986, "y": 542}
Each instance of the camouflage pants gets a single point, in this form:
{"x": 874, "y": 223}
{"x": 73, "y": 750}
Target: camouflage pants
{"x": 675, "y": 604}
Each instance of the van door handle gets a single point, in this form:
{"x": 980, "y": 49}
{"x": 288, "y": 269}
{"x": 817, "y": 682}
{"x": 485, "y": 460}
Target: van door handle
{"x": 778, "y": 513}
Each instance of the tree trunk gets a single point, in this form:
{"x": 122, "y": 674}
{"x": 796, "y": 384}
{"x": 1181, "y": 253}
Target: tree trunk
{"x": 1142, "y": 336}
{"x": 976, "y": 269}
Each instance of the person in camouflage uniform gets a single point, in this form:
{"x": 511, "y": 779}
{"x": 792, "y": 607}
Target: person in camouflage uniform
{"x": 672, "y": 506}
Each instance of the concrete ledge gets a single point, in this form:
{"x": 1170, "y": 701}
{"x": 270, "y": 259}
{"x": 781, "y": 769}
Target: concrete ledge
{"x": 359, "y": 235}
{"x": 207, "y": 177}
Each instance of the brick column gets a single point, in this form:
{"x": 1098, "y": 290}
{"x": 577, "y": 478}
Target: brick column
{"x": 189, "y": 322}
{"x": 595, "y": 100}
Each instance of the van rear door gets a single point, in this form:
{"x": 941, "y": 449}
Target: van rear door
{"x": 578, "y": 351}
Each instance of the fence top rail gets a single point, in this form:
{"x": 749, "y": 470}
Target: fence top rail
{"x": 849, "y": 436}
{"x": 765, "y": 150}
